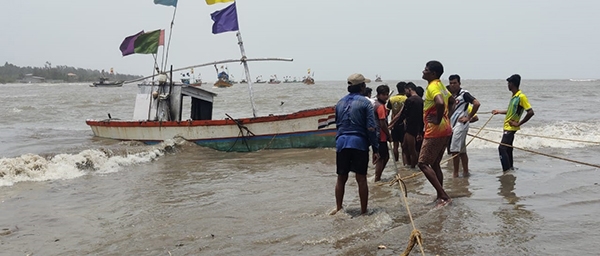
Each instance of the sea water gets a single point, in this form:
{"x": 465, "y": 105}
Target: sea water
{"x": 65, "y": 192}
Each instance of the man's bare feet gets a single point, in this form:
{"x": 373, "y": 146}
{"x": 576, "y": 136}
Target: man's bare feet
{"x": 443, "y": 202}
{"x": 466, "y": 174}
{"x": 335, "y": 211}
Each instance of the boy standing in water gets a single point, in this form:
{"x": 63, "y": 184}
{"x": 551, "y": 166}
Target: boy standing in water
{"x": 396, "y": 103}
{"x": 460, "y": 119}
{"x": 381, "y": 113}
{"x": 512, "y": 121}
{"x": 436, "y": 106}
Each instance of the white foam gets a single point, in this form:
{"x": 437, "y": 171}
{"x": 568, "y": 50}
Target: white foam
{"x": 562, "y": 131}
{"x": 31, "y": 167}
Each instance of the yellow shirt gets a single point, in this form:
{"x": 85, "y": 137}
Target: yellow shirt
{"x": 444, "y": 129}
{"x": 518, "y": 103}
{"x": 397, "y": 102}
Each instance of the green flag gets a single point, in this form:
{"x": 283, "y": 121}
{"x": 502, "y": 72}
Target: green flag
{"x": 147, "y": 43}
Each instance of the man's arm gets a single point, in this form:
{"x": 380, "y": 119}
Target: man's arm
{"x": 496, "y": 111}
{"x": 372, "y": 129}
{"x": 381, "y": 120}
{"x": 396, "y": 118}
{"x": 472, "y": 114}
{"x": 439, "y": 107}
{"x": 451, "y": 102}
{"x": 525, "y": 119}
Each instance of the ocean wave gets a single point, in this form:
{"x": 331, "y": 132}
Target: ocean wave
{"x": 552, "y": 135}
{"x": 32, "y": 167}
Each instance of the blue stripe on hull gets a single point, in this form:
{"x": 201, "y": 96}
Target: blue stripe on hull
{"x": 313, "y": 139}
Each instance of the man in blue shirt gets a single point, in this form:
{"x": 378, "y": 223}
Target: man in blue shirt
{"x": 356, "y": 130}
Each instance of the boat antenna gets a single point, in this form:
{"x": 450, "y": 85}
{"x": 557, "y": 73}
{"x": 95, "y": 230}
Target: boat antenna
{"x": 166, "y": 53}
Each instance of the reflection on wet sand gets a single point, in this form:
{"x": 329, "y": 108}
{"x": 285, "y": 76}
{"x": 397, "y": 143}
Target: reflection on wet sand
{"x": 517, "y": 225}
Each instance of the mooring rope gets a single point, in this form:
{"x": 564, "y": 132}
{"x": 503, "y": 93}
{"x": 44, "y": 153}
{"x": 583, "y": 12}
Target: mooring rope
{"x": 548, "y": 137}
{"x": 535, "y": 152}
{"x": 479, "y": 131}
{"x": 393, "y": 182}
{"x": 241, "y": 127}
{"x": 415, "y": 234}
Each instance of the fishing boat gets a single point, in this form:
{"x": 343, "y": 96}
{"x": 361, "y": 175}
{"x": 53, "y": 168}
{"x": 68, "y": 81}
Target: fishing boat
{"x": 104, "y": 82}
{"x": 311, "y": 128}
{"x": 223, "y": 78}
{"x": 308, "y": 79}
{"x": 191, "y": 79}
{"x": 274, "y": 80}
{"x": 259, "y": 80}
{"x": 158, "y": 111}
{"x": 288, "y": 79}
{"x": 378, "y": 78}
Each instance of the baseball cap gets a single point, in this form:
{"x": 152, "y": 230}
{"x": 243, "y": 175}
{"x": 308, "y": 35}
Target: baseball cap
{"x": 355, "y": 79}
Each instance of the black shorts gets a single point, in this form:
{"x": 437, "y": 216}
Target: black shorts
{"x": 352, "y": 160}
{"x": 398, "y": 133}
{"x": 384, "y": 151}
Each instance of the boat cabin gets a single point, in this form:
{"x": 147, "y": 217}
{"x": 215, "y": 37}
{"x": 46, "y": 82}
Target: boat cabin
{"x": 165, "y": 102}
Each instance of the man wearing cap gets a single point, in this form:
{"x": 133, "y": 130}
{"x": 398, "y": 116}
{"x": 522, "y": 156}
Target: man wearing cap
{"x": 512, "y": 121}
{"x": 356, "y": 130}
{"x": 436, "y": 106}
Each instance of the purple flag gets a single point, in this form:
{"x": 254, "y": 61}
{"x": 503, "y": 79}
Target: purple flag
{"x": 127, "y": 46}
{"x": 225, "y": 20}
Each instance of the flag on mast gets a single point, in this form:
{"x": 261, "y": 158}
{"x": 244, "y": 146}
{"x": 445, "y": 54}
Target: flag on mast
{"x": 127, "y": 46}
{"x": 211, "y": 2}
{"x": 225, "y": 20}
{"x": 166, "y": 2}
{"x": 143, "y": 43}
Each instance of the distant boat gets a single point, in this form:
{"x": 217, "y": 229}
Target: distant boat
{"x": 103, "y": 82}
{"x": 583, "y": 80}
{"x": 288, "y": 79}
{"x": 259, "y": 80}
{"x": 223, "y": 77}
{"x": 274, "y": 80}
{"x": 378, "y": 78}
{"x": 308, "y": 79}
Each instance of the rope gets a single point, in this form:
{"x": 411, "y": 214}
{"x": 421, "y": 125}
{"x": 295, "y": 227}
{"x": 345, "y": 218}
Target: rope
{"x": 452, "y": 157}
{"x": 535, "y": 152}
{"x": 415, "y": 235}
{"x": 241, "y": 127}
{"x": 393, "y": 182}
{"x": 548, "y": 137}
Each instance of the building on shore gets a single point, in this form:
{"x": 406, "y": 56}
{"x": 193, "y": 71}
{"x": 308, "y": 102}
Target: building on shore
{"x": 31, "y": 79}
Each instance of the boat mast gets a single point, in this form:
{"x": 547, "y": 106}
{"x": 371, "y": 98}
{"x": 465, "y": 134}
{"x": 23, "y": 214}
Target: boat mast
{"x": 166, "y": 52}
{"x": 248, "y": 77}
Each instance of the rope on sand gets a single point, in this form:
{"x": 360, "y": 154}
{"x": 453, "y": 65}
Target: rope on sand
{"x": 535, "y": 152}
{"x": 415, "y": 235}
{"x": 548, "y": 137}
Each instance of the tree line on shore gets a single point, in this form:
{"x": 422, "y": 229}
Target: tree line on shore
{"x": 10, "y": 73}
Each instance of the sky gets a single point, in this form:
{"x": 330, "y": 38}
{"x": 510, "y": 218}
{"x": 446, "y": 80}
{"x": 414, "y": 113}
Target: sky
{"x": 539, "y": 39}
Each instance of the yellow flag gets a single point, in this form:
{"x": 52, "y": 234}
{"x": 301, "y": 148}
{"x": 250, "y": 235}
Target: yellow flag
{"x": 210, "y": 2}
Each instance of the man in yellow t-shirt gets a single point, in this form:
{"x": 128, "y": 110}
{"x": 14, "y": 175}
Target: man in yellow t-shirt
{"x": 396, "y": 103}
{"x": 512, "y": 121}
{"x": 436, "y": 106}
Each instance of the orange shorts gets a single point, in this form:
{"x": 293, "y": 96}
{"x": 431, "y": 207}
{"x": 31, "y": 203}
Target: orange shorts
{"x": 433, "y": 150}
